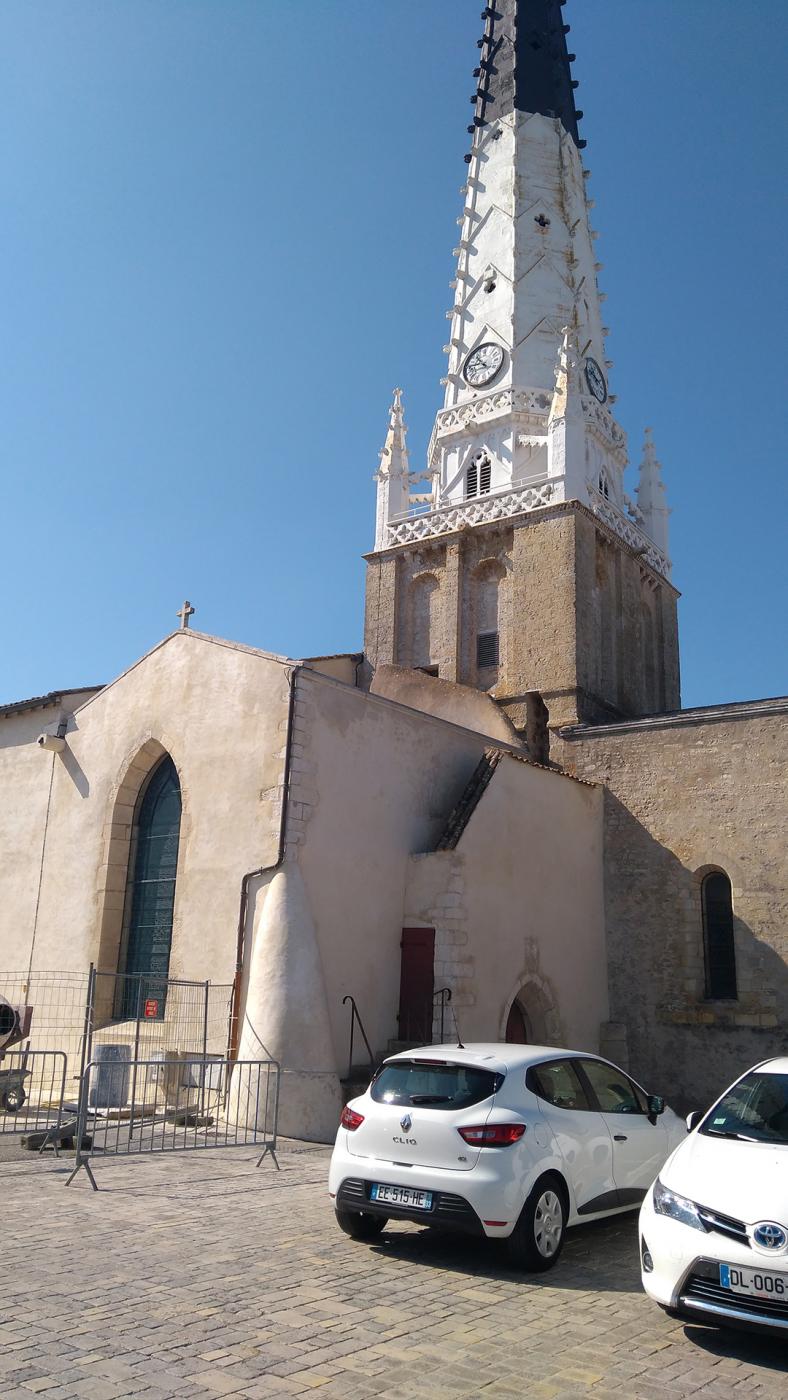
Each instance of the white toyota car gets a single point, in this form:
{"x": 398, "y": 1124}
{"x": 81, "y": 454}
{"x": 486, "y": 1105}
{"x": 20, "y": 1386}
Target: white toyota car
{"x": 714, "y": 1227}
{"x": 510, "y": 1141}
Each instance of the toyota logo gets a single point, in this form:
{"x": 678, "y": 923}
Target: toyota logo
{"x": 405, "y": 1123}
{"x": 770, "y": 1236}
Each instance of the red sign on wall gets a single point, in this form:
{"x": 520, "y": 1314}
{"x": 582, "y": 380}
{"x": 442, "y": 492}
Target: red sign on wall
{"x": 151, "y": 1009}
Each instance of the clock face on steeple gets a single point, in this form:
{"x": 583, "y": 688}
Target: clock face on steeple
{"x": 482, "y": 365}
{"x": 595, "y": 380}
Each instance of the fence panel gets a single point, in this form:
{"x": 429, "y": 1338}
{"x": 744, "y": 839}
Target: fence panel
{"x": 32, "y": 1090}
{"x": 152, "y": 1014}
{"x": 174, "y": 1102}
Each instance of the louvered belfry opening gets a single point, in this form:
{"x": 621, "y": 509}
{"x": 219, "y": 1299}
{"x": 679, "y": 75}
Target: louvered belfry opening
{"x": 487, "y": 650}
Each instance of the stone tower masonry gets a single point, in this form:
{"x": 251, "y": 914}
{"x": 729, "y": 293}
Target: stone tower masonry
{"x": 524, "y": 569}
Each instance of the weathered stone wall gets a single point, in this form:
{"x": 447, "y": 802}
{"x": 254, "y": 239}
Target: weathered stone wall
{"x": 581, "y": 620}
{"x": 686, "y": 793}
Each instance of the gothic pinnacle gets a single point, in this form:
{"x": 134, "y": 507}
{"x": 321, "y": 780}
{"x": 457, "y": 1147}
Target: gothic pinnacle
{"x": 652, "y": 502}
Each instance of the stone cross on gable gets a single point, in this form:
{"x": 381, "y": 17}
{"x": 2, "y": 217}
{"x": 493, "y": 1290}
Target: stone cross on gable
{"x": 185, "y": 613}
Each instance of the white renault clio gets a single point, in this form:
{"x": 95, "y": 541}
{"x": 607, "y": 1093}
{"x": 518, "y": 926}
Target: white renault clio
{"x": 511, "y": 1141}
{"x": 714, "y": 1228}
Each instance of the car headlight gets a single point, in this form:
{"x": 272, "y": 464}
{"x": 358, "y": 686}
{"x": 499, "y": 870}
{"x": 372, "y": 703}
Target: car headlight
{"x": 677, "y": 1207}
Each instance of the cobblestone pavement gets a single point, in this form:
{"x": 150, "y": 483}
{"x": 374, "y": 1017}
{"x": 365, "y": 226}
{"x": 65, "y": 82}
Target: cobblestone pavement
{"x": 196, "y": 1275}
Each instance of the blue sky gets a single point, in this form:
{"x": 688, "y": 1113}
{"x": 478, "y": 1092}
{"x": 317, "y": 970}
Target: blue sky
{"x": 227, "y": 235}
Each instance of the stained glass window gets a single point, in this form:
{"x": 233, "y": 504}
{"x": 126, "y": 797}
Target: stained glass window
{"x": 150, "y": 895}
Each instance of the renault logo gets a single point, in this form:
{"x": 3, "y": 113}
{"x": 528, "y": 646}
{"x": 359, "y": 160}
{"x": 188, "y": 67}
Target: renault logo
{"x": 770, "y": 1236}
{"x": 405, "y": 1123}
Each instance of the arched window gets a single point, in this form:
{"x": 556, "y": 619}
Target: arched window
{"x": 604, "y": 485}
{"x": 150, "y": 895}
{"x": 425, "y": 604}
{"x": 648, "y": 638}
{"x": 718, "y": 943}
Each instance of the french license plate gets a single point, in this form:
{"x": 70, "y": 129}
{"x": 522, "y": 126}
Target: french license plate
{"x": 401, "y": 1196}
{"x": 753, "y": 1283}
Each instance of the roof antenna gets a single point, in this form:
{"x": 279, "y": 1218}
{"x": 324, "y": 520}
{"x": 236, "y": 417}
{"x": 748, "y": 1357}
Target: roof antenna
{"x": 460, "y": 1045}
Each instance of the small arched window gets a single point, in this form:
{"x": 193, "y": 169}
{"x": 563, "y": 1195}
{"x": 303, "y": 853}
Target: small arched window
{"x": 718, "y": 942}
{"x": 604, "y": 485}
{"x": 150, "y": 895}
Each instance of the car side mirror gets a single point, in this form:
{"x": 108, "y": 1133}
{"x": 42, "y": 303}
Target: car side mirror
{"x": 693, "y": 1119}
{"x": 656, "y": 1105}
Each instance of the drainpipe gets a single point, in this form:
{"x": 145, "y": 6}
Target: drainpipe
{"x": 235, "y": 1001}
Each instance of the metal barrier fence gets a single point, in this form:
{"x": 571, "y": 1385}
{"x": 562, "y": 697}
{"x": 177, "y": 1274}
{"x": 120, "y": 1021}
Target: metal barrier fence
{"x": 174, "y": 1102}
{"x": 157, "y": 1013}
{"x": 75, "y": 1011}
{"x": 32, "y": 1091}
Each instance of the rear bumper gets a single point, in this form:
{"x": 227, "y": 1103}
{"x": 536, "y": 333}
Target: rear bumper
{"x": 449, "y": 1211}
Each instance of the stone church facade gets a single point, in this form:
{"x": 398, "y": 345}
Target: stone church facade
{"x": 500, "y": 796}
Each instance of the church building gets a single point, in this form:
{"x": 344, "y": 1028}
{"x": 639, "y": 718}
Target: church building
{"x": 495, "y": 820}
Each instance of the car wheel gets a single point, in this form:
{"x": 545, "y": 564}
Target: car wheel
{"x": 359, "y": 1225}
{"x": 538, "y": 1237}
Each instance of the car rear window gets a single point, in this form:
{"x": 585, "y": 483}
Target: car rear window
{"x": 440, "y": 1086}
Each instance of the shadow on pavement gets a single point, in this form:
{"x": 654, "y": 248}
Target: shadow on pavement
{"x": 602, "y": 1256}
{"x": 753, "y": 1348}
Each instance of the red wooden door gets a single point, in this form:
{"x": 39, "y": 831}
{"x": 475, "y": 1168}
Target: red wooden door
{"x": 416, "y": 985}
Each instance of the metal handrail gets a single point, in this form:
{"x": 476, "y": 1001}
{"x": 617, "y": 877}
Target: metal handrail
{"x": 354, "y": 1017}
{"x": 443, "y": 996}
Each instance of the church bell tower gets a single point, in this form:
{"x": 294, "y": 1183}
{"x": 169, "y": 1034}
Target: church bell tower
{"x": 521, "y": 566}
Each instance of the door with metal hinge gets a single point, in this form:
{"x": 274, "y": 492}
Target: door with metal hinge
{"x": 417, "y": 985}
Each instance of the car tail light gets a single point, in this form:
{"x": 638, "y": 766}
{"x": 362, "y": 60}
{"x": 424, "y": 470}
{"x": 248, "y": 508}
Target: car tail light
{"x": 493, "y": 1134}
{"x": 350, "y": 1119}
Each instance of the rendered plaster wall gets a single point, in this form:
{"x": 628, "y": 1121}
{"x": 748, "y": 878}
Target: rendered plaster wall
{"x": 371, "y": 782}
{"x": 459, "y": 704}
{"x": 220, "y": 712}
{"x": 683, "y": 797}
{"x": 518, "y": 909}
{"x": 25, "y": 772}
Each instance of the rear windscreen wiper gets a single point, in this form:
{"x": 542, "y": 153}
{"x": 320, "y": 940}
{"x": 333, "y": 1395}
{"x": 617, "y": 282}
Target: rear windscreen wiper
{"x": 430, "y": 1098}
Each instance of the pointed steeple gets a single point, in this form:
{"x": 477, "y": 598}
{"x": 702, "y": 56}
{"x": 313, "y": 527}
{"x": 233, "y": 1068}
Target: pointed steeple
{"x": 525, "y": 65}
{"x": 652, "y": 500}
{"x": 393, "y": 474}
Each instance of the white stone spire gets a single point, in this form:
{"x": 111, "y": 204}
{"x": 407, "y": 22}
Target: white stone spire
{"x": 652, "y": 501}
{"x": 393, "y": 474}
{"x": 526, "y": 264}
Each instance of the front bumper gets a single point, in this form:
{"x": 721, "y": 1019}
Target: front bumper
{"x": 686, "y": 1272}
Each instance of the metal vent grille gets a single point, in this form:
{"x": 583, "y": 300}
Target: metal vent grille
{"x": 486, "y": 650}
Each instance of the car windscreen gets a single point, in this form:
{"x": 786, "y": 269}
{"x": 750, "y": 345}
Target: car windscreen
{"x": 440, "y": 1086}
{"x": 754, "y": 1110}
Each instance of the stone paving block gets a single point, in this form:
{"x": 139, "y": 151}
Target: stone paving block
{"x": 200, "y": 1278}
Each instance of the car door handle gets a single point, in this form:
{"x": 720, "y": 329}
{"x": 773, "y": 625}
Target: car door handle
{"x": 619, "y": 1137}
